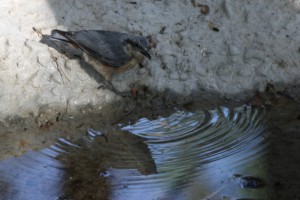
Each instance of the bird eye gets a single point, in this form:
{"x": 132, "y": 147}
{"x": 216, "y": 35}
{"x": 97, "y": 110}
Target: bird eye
{"x": 136, "y": 44}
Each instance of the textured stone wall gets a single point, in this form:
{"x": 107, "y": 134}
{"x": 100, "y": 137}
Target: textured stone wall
{"x": 233, "y": 50}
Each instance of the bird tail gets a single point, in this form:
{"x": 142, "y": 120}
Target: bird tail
{"x": 59, "y": 35}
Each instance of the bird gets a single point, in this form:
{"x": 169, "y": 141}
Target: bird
{"x": 108, "y": 52}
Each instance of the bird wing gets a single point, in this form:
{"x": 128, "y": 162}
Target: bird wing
{"x": 105, "y": 46}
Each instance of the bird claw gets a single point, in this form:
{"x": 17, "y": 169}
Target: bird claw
{"x": 123, "y": 94}
{"x": 101, "y": 87}
{"x": 109, "y": 86}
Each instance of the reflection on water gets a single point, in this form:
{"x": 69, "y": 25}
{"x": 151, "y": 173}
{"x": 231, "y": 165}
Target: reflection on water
{"x": 217, "y": 154}
{"x": 196, "y": 154}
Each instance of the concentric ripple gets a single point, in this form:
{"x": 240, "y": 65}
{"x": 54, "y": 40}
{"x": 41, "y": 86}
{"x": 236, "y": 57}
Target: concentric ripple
{"x": 203, "y": 137}
{"x": 188, "y": 155}
{"x": 188, "y": 146}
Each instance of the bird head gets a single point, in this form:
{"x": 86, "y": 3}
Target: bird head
{"x": 139, "y": 43}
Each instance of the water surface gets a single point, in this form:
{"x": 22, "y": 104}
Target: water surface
{"x": 244, "y": 152}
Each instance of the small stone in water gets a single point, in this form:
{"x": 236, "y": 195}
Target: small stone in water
{"x": 104, "y": 174}
{"x": 249, "y": 182}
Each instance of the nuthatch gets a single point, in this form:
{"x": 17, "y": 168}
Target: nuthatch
{"x": 107, "y": 51}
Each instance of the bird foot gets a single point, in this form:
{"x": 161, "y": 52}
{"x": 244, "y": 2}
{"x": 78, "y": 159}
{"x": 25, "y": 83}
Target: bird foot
{"x": 123, "y": 94}
{"x": 109, "y": 86}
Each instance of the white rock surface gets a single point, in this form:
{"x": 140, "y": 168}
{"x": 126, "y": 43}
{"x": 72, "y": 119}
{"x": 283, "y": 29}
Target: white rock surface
{"x": 257, "y": 43}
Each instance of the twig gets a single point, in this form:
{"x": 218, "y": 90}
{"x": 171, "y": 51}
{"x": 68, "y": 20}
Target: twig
{"x": 61, "y": 72}
{"x": 40, "y": 34}
{"x": 214, "y": 193}
{"x": 123, "y": 117}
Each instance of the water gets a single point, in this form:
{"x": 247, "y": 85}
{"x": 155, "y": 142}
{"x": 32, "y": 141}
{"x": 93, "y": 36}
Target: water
{"x": 197, "y": 154}
{"x": 224, "y": 153}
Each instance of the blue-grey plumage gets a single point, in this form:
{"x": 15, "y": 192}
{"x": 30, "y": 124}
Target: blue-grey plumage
{"x": 116, "y": 50}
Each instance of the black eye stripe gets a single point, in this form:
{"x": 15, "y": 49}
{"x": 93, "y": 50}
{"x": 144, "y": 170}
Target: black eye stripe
{"x": 134, "y": 43}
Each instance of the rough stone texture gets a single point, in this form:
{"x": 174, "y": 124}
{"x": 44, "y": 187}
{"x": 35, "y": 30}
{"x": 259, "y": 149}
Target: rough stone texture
{"x": 257, "y": 43}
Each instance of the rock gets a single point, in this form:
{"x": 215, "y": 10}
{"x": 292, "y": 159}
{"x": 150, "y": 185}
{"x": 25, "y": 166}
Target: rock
{"x": 249, "y": 49}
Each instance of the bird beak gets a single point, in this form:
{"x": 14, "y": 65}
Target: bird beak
{"x": 145, "y": 53}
